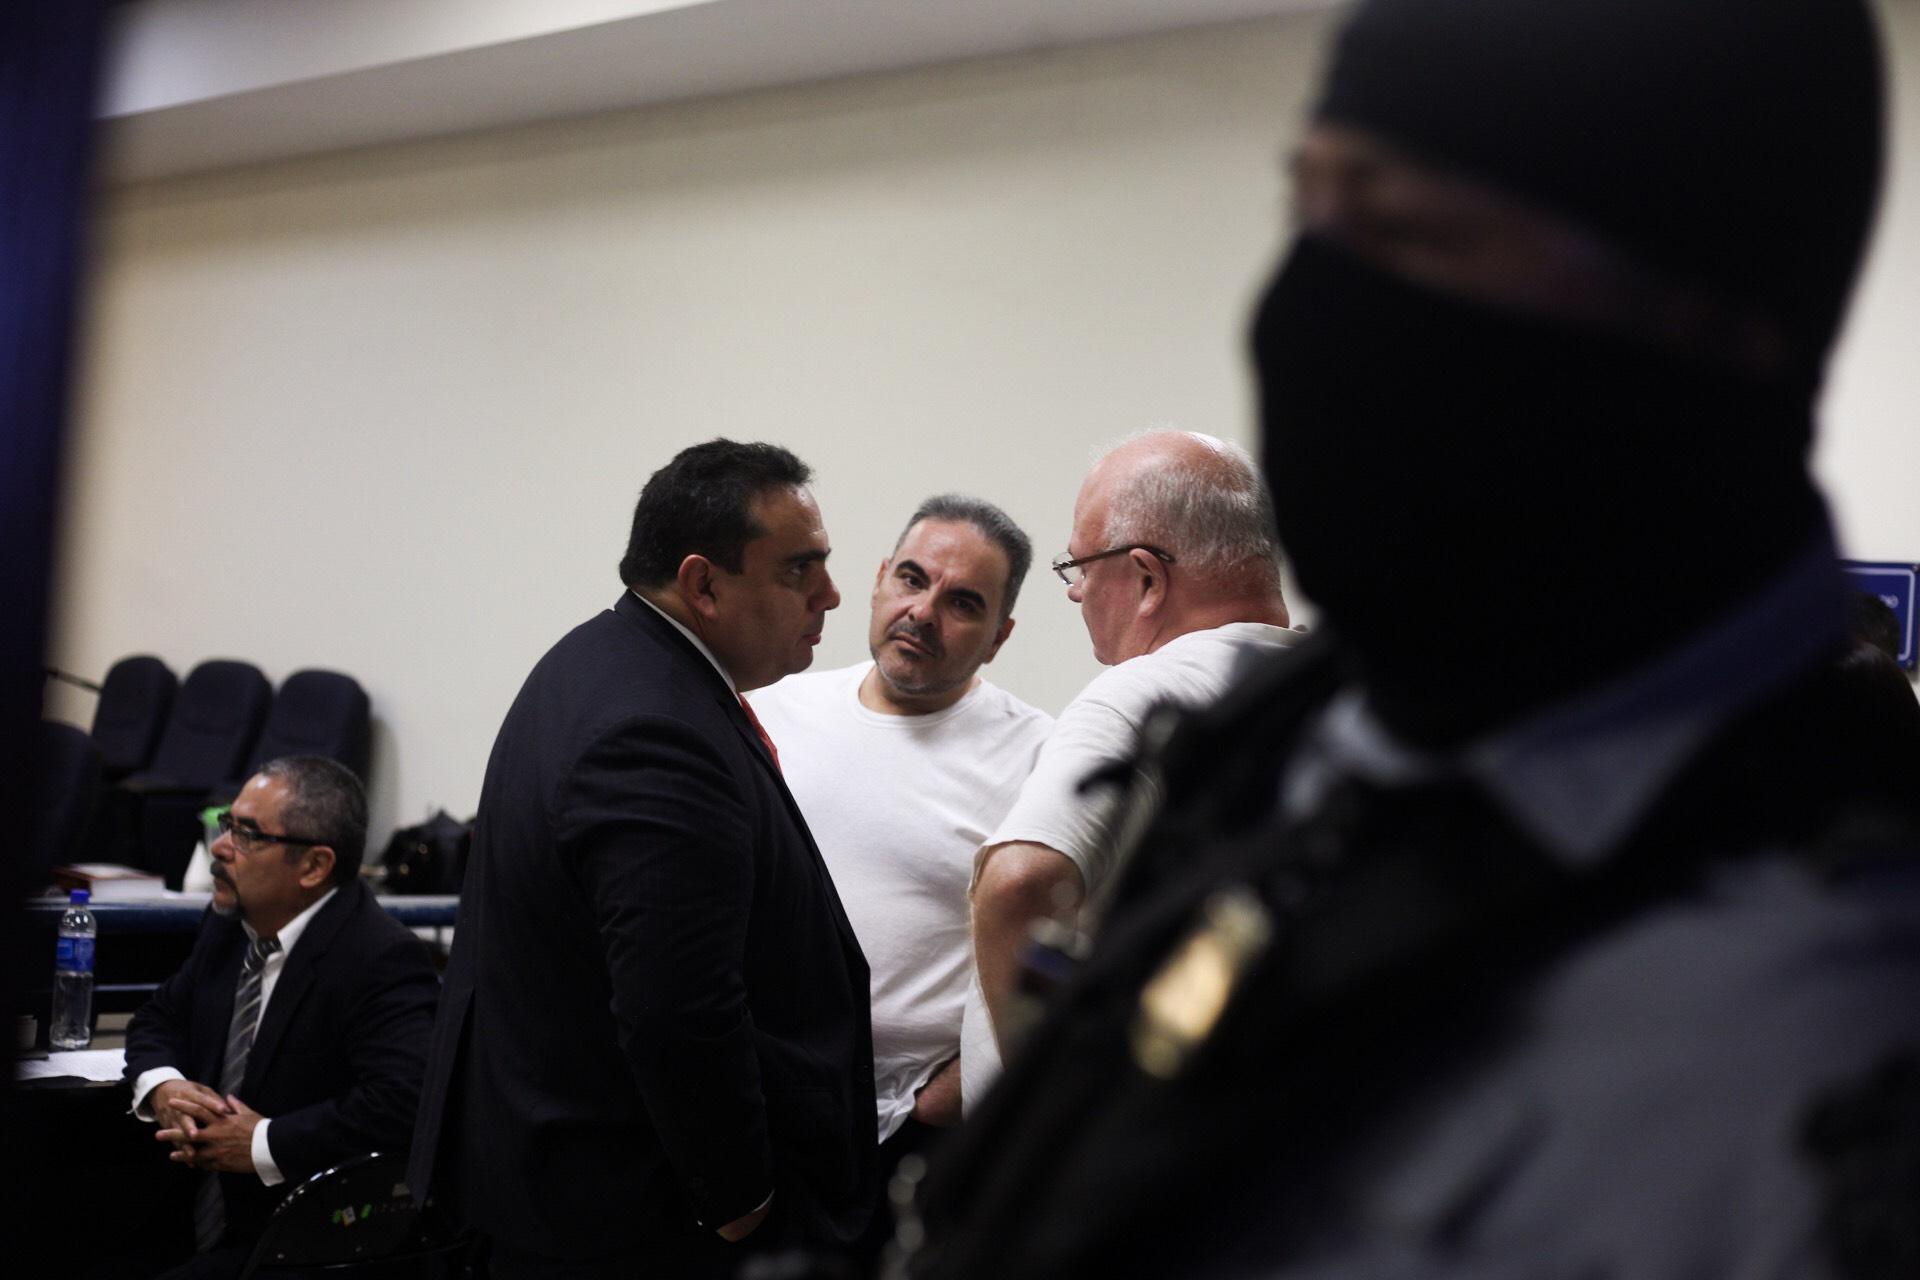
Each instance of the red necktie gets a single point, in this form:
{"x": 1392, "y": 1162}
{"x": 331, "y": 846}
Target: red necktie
{"x": 761, "y": 730}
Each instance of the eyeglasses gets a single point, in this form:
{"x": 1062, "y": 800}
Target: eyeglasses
{"x": 252, "y": 839}
{"x": 1070, "y": 569}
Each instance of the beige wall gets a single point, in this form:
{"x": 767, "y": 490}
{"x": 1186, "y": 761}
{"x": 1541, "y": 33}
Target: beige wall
{"x": 1870, "y": 447}
{"x": 387, "y": 411}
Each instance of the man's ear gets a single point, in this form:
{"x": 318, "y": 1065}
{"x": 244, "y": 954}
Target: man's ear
{"x": 695, "y": 582}
{"x": 1151, "y": 577}
{"x": 880, "y": 575}
{"x": 1006, "y": 629}
{"x": 319, "y": 867}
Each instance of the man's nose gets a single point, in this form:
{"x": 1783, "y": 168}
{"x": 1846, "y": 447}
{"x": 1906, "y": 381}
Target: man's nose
{"x": 829, "y": 597}
{"x": 1074, "y": 592}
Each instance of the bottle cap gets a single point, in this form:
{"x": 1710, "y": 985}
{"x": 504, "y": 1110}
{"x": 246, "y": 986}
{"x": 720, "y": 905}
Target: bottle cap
{"x": 78, "y": 897}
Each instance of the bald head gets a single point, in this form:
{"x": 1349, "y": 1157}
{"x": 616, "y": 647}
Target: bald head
{"x": 1201, "y": 501}
{"x": 1196, "y": 496}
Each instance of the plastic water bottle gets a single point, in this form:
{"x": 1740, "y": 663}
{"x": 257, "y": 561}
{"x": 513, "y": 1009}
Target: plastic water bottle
{"x": 73, "y": 976}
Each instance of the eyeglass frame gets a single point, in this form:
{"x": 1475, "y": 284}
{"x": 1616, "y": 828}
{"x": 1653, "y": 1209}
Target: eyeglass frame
{"x": 1063, "y": 562}
{"x": 253, "y": 839}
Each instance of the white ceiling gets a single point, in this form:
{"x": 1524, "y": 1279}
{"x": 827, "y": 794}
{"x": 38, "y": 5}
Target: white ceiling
{"x": 195, "y": 85}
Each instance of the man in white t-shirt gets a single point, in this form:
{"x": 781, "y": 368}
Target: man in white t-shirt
{"x": 1174, "y": 564}
{"x": 902, "y": 766}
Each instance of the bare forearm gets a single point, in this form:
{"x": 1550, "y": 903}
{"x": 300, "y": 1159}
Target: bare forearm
{"x": 999, "y": 933}
{"x": 1019, "y": 884}
{"x": 937, "y": 1105}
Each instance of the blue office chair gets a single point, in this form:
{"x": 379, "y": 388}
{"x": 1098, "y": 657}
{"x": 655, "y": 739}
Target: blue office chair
{"x": 69, "y": 788}
{"x": 134, "y": 701}
{"x": 214, "y": 724}
{"x": 316, "y": 713}
{"x": 215, "y": 721}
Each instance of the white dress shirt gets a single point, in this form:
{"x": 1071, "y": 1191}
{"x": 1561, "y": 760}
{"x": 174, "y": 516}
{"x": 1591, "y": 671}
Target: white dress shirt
{"x": 692, "y": 639}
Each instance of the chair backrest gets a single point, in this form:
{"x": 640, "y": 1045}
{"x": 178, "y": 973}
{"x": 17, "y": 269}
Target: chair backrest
{"x": 214, "y": 724}
{"x": 134, "y": 701}
{"x": 359, "y": 1211}
{"x": 69, "y": 787}
{"x": 317, "y": 713}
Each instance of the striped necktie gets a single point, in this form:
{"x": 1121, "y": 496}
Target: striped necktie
{"x": 209, "y": 1209}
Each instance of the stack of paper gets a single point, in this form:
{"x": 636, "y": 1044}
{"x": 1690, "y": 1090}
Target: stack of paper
{"x": 110, "y": 882}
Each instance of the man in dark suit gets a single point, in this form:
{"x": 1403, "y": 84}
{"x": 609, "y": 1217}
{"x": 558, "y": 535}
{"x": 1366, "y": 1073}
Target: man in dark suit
{"x": 296, "y": 1035}
{"x": 655, "y": 1042}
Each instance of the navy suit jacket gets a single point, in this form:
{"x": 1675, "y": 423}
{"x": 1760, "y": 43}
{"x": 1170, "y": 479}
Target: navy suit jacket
{"x": 1463, "y": 1055}
{"x": 656, "y": 1011}
{"x": 338, "y": 1055}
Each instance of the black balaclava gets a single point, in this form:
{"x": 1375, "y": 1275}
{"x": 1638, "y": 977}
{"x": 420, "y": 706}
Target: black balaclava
{"x": 1495, "y": 511}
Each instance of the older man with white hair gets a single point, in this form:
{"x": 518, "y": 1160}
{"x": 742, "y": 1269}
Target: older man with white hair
{"x": 1174, "y": 564}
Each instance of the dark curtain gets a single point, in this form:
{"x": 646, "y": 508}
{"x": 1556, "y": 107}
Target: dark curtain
{"x": 49, "y": 64}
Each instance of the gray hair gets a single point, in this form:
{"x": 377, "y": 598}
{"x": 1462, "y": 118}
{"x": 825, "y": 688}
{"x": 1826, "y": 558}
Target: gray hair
{"x": 325, "y": 803}
{"x": 998, "y": 528}
{"x": 1211, "y": 511}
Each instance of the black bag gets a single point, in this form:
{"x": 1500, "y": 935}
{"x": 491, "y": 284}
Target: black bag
{"x": 429, "y": 858}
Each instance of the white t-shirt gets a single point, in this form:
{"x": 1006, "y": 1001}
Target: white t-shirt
{"x": 899, "y": 805}
{"x": 1098, "y": 728}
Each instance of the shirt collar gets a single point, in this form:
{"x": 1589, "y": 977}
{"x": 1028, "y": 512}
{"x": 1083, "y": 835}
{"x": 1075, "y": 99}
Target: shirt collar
{"x": 290, "y": 931}
{"x": 692, "y": 639}
{"x": 1580, "y": 776}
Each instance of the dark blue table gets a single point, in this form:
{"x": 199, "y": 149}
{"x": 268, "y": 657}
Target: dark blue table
{"x": 142, "y": 943}
{"x": 180, "y": 912}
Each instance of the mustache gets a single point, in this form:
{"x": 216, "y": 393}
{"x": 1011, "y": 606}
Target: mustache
{"x": 922, "y": 636}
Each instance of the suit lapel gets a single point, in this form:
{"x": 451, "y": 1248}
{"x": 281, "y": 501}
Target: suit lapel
{"x": 295, "y": 979}
{"x": 730, "y": 707}
{"x": 212, "y": 1015}
{"x": 695, "y": 666}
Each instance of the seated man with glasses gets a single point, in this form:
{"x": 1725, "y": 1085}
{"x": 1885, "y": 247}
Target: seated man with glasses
{"x": 1174, "y": 564}
{"x": 296, "y": 1035}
